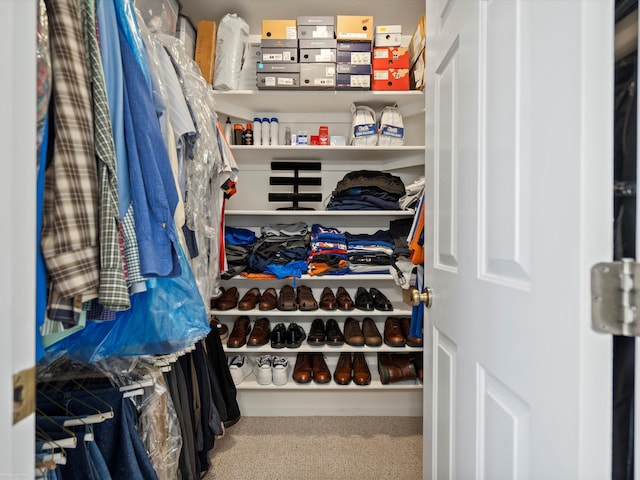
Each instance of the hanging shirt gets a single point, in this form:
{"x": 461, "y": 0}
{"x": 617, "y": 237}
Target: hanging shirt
{"x": 152, "y": 185}
{"x": 70, "y": 219}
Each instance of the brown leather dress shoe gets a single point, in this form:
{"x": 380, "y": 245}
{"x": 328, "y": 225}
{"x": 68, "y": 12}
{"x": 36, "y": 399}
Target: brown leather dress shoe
{"x": 249, "y": 299}
{"x": 344, "y": 300}
{"x": 219, "y": 327}
{"x": 394, "y": 367}
{"x": 393, "y": 332}
{"x": 405, "y": 325}
{"x": 317, "y": 334}
{"x": 302, "y": 372}
{"x": 334, "y": 335}
{"x": 228, "y": 300}
{"x": 321, "y": 372}
{"x": 213, "y": 302}
{"x": 327, "y": 299}
{"x": 305, "y": 300}
{"x": 372, "y": 337}
{"x": 361, "y": 372}
{"x": 261, "y": 333}
{"x": 268, "y": 300}
{"x": 238, "y": 335}
{"x": 287, "y": 299}
{"x": 353, "y": 333}
{"x": 342, "y": 373}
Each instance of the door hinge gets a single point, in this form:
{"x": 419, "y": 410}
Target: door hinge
{"x": 615, "y": 298}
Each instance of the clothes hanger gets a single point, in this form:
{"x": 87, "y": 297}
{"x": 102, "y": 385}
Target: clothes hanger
{"x": 98, "y": 417}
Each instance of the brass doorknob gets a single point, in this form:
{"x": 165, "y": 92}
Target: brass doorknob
{"x": 413, "y": 297}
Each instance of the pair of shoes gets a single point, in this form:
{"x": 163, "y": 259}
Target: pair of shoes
{"x": 396, "y": 367}
{"x": 397, "y": 332}
{"x": 239, "y": 367}
{"x": 372, "y": 299}
{"x": 301, "y": 298}
{"x": 228, "y": 300}
{"x": 290, "y": 337}
{"x": 260, "y": 334}
{"x": 239, "y": 332}
{"x": 311, "y": 366}
{"x": 250, "y": 299}
{"x": 355, "y": 368}
{"x": 367, "y": 335}
{"x": 271, "y": 369}
{"x": 320, "y": 335}
{"x": 219, "y": 327}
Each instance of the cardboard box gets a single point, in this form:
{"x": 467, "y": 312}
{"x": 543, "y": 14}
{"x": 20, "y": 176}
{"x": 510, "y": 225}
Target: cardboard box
{"x": 390, "y": 57}
{"x": 416, "y": 73}
{"x": 418, "y": 40}
{"x": 279, "y": 55}
{"x": 388, "y": 36}
{"x": 353, "y": 69}
{"x": 205, "y": 54}
{"x": 347, "y": 81}
{"x": 279, "y": 29}
{"x": 274, "y": 76}
{"x": 316, "y": 31}
{"x": 318, "y": 43}
{"x": 355, "y": 58}
{"x": 186, "y": 33}
{"x": 344, "y": 46}
{"x": 317, "y": 55}
{"x": 354, "y": 27}
{"x": 278, "y": 43}
{"x": 390, "y": 79}
{"x": 318, "y": 76}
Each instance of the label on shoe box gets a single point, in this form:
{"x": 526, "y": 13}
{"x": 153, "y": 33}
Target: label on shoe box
{"x": 391, "y": 79}
{"x": 271, "y": 55}
{"x": 277, "y": 80}
{"x": 354, "y": 27}
{"x": 308, "y": 55}
{"x": 354, "y": 46}
{"x": 279, "y": 29}
{"x": 390, "y": 57}
{"x": 355, "y": 58}
{"x": 316, "y": 31}
{"x": 353, "y": 69}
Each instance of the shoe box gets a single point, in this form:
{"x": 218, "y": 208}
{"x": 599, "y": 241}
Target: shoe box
{"x": 282, "y": 29}
{"x": 318, "y": 75}
{"x": 357, "y": 53}
{"x": 353, "y": 77}
{"x": 396, "y": 79}
{"x": 275, "y": 76}
{"x": 320, "y": 51}
{"x": 354, "y": 27}
{"x": 390, "y": 57}
{"x": 318, "y": 27}
{"x": 279, "y": 50}
{"x": 388, "y": 36}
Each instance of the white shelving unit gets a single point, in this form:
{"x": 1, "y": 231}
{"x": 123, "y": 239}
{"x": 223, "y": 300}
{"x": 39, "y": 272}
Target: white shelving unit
{"x": 250, "y": 208}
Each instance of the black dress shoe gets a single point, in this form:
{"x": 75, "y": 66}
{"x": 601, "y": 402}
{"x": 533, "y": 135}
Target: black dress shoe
{"x": 279, "y": 336}
{"x": 317, "y": 334}
{"x": 295, "y": 335}
{"x": 334, "y": 335}
{"x": 364, "y": 301}
{"x": 380, "y": 302}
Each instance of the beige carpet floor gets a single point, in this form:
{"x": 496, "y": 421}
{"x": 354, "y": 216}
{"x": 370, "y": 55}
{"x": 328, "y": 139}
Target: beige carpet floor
{"x": 319, "y": 448}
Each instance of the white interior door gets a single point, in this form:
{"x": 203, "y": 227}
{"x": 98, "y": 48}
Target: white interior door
{"x": 519, "y": 175}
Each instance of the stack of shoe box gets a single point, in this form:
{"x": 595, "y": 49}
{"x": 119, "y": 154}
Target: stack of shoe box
{"x": 278, "y": 67}
{"x": 390, "y": 59}
{"x": 354, "y": 36}
{"x": 317, "y": 52}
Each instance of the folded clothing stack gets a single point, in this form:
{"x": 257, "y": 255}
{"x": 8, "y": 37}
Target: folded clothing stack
{"x": 369, "y": 253}
{"x": 328, "y": 251}
{"x": 367, "y": 190}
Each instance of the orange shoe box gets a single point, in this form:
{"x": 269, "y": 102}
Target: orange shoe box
{"x": 390, "y": 79}
{"x": 283, "y": 29}
{"x": 390, "y": 57}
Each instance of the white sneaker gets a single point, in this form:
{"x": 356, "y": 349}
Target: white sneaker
{"x": 262, "y": 369}
{"x": 280, "y": 370}
{"x": 240, "y": 368}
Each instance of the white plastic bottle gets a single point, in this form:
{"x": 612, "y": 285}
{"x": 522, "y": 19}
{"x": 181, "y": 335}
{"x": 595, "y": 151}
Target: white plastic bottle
{"x": 274, "y": 132}
{"x": 257, "y": 131}
{"x": 265, "y": 131}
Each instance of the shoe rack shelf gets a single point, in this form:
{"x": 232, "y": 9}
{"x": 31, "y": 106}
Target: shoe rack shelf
{"x": 285, "y": 316}
{"x": 250, "y": 383}
{"x": 306, "y": 348}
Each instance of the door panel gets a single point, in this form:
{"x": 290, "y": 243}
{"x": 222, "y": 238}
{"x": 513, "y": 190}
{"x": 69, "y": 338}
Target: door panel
{"x": 518, "y": 125}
